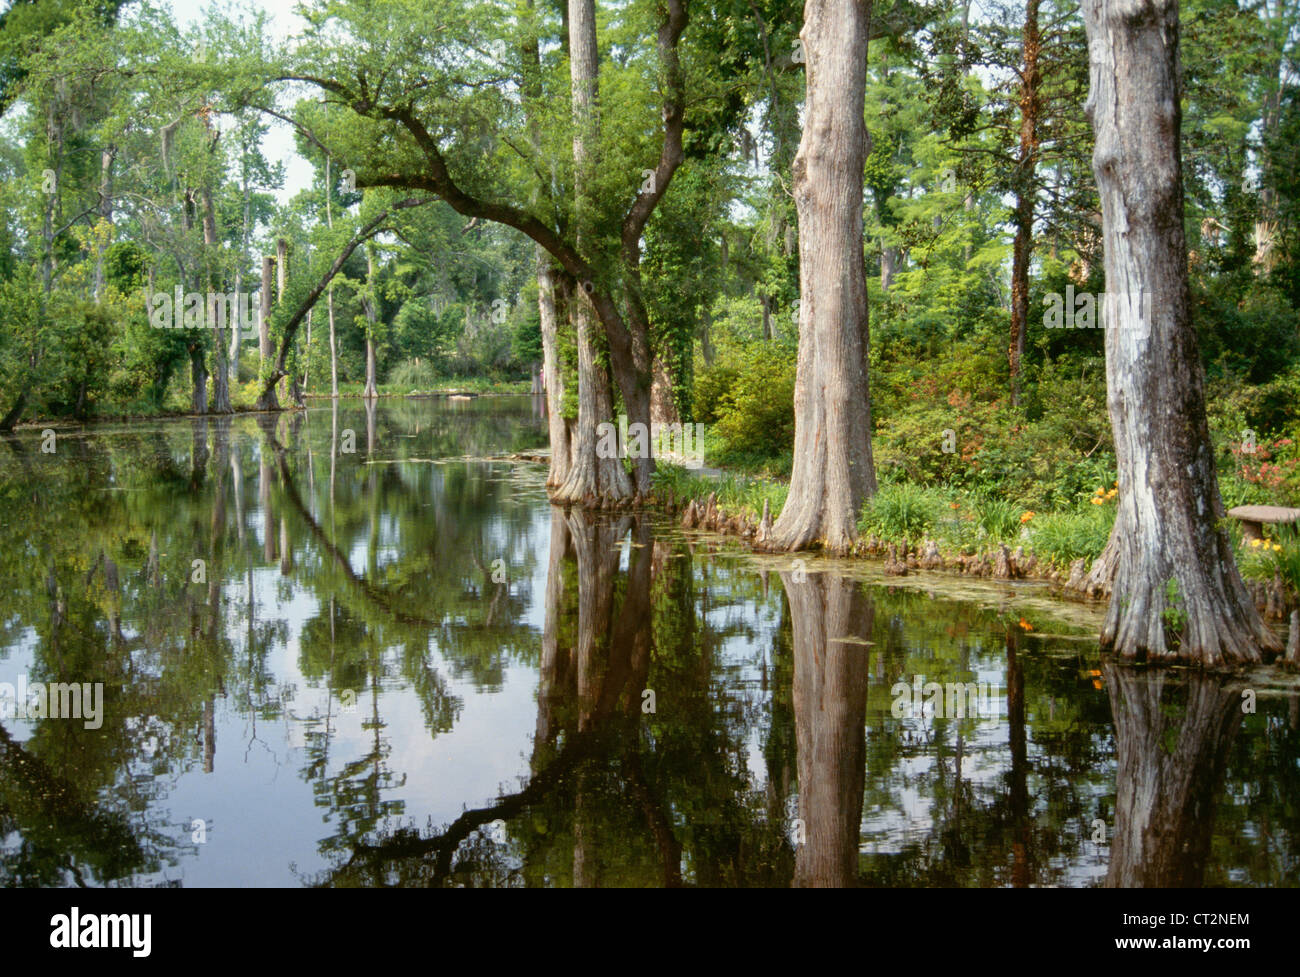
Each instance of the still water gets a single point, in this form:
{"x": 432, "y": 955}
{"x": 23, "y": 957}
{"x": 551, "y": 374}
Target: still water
{"x": 358, "y": 647}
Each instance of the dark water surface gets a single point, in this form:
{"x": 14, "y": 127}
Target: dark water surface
{"x": 397, "y": 664}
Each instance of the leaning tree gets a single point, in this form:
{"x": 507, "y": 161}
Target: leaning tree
{"x": 441, "y": 97}
{"x": 1176, "y": 594}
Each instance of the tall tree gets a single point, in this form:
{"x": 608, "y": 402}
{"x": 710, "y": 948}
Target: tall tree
{"x": 475, "y": 159}
{"x": 833, "y": 470}
{"x": 590, "y": 476}
{"x": 1176, "y": 595}
{"x": 1026, "y": 189}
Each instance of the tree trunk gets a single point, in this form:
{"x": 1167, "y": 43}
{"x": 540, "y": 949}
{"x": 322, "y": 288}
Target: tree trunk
{"x": 16, "y": 411}
{"x": 268, "y": 399}
{"x": 236, "y": 335}
{"x": 220, "y": 373}
{"x": 306, "y": 366}
{"x": 334, "y": 350}
{"x": 591, "y": 478}
{"x": 281, "y": 284}
{"x": 369, "y": 301}
{"x": 199, "y": 379}
{"x": 1177, "y": 595}
{"x": 663, "y": 406}
{"x": 831, "y": 619}
{"x": 1023, "y": 216}
{"x": 106, "y": 157}
{"x": 833, "y": 471}
{"x": 552, "y": 379}
{"x": 888, "y": 266}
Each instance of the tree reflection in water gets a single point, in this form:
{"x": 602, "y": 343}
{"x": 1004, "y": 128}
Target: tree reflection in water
{"x": 696, "y": 721}
{"x": 1174, "y": 729}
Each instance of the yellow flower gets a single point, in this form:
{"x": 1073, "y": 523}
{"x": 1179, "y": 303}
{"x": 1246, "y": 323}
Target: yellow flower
{"x": 1255, "y": 543}
{"x": 1277, "y": 548}
{"x": 1097, "y": 501}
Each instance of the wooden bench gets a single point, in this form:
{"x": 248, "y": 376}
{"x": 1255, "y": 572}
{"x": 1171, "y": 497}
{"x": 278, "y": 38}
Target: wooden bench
{"x": 1253, "y": 518}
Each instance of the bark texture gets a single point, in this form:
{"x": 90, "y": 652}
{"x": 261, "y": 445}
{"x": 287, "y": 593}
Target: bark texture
{"x": 1176, "y": 595}
{"x": 220, "y": 372}
{"x": 833, "y": 471}
{"x": 591, "y": 479}
{"x": 370, "y": 301}
{"x": 268, "y": 398}
{"x": 552, "y": 378}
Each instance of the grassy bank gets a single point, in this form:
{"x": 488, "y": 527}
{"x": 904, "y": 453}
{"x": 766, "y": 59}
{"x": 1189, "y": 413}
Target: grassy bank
{"x": 968, "y": 528}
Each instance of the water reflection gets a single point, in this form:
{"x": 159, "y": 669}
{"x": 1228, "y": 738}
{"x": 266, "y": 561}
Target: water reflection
{"x": 831, "y": 619}
{"x": 1173, "y": 734}
{"x": 346, "y": 647}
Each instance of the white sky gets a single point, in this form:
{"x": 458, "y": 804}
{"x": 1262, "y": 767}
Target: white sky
{"x": 278, "y": 145}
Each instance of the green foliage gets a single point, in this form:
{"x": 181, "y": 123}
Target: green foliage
{"x": 1173, "y": 614}
{"x": 736, "y": 493}
{"x": 713, "y": 387}
{"x": 1276, "y": 556}
{"x": 999, "y": 519}
{"x": 750, "y": 400}
{"x": 901, "y": 512}
{"x": 412, "y": 376}
{"x": 1063, "y": 537}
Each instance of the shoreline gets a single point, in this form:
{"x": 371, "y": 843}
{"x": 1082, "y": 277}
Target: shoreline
{"x": 1275, "y": 602}
{"x": 172, "y": 415}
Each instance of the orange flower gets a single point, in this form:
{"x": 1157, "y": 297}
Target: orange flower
{"x": 954, "y": 505}
{"x": 1026, "y": 625}
{"x": 1027, "y": 516}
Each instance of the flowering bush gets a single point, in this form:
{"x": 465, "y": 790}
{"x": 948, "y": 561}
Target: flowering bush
{"x": 1264, "y": 559}
{"x": 1270, "y": 474}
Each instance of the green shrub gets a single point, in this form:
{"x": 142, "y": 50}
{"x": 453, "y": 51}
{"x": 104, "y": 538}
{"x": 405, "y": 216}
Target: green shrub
{"x": 736, "y": 493}
{"x": 1061, "y": 538}
{"x": 1277, "y": 555}
{"x": 999, "y": 519}
{"x": 755, "y": 417}
{"x": 412, "y": 375}
{"x": 712, "y": 394}
{"x": 901, "y": 512}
